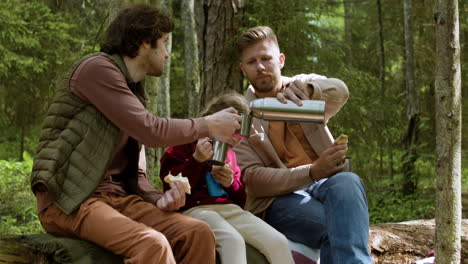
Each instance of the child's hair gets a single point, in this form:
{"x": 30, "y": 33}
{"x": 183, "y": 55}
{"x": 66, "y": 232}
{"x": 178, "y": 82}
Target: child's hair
{"x": 224, "y": 101}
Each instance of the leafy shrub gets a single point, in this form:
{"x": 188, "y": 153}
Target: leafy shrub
{"x": 17, "y": 202}
{"x": 393, "y": 206}
{"x": 464, "y": 179}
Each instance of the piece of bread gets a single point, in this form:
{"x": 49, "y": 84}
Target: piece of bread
{"x": 342, "y": 139}
{"x": 179, "y": 178}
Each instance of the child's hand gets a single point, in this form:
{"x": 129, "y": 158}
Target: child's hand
{"x": 223, "y": 174}
{"x": 203, "y": 150}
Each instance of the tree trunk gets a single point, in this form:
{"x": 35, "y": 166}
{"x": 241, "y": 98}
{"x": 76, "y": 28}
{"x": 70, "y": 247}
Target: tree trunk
{"x": 114, "y": 8}
{"x": 192, "y": 68}
{"x": 164, "y": 102}
{"x": 448, "y": 132}
{"x": 164, "y": 94}
{"x": 220, "y": 68}
{"x": 382, "y": 82}
{"x": 348, "y": 32}
{"x": 22, "y": 139}
{"x": 410, "y": 176}
{"x": 151, "y": 89}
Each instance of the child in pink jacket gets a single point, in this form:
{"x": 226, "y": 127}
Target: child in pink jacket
{"x": 233, "y": 227}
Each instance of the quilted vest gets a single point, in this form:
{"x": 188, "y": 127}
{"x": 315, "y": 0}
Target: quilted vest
{"x": 76, "y": 144}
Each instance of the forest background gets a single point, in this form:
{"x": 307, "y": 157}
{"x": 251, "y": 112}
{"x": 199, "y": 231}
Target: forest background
{"x": 388, "y": 64}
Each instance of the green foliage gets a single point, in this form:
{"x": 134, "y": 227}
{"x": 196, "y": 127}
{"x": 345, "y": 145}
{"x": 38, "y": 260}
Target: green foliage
{"x": 390, "y": 206}
{"x": 33, "y": 44}
{"x": 34, "y": 47}
{"x": 387, "y": 203}
{"x": 18, "y": 204}
{"x": 464, "y": 180}
{"x": 39, "y": 40}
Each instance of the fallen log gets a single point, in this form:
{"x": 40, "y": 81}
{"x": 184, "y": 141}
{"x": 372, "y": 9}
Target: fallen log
{"x": 390, "y": 243}
{"x": 407, "y": 242}
{"x": 50, "y": 249}
{"x": 46, "y": 248}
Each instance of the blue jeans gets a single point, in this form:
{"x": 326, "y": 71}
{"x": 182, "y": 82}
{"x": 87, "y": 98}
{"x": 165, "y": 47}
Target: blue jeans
{"x": 332, "y": 216}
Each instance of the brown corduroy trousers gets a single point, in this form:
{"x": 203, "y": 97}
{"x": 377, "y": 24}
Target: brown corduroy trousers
{"x": 137, "y": 230}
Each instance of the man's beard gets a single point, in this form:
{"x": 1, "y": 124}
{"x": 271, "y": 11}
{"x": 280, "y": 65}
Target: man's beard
{"x": 266, "y": 85}
{"x": 155, "y": 69}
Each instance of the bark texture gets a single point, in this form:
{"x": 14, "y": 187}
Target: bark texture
{"x": 412, "y": 112}
{"x": 448, "y": 132}
{"x": 220, "y": 69}
{"x": 191, "y": 58}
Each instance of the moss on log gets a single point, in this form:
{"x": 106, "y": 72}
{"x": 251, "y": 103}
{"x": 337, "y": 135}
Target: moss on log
{"x": 13, "y": 251}
{"x": 390, "y": 243}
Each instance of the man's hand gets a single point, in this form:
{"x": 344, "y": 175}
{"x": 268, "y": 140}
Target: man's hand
{"x": 203, "y": 150}
{"x": 328, "y": 162}
{"x": 223, "y": 174}
{"x": 223, "y": 124}
{"x": 294, "y": 91}
{"x": 173, "y": 199}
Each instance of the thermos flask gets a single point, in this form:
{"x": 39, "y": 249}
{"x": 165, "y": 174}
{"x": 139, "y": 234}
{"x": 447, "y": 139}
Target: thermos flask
{"x": 311, "y": 111}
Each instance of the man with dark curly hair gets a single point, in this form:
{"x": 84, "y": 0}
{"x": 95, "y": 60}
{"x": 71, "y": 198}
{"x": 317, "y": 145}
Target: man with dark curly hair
{"x": 89, "y": 170}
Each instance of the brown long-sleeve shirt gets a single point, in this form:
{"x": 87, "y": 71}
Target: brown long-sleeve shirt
{"x": 98, "y": 81}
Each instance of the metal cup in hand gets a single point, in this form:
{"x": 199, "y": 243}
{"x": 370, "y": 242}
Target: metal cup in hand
{"x": 220, "y": 151}
{"x": 246, "y": 122}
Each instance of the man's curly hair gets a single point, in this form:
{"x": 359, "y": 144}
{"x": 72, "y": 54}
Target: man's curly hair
{"x": 134, "y": 26}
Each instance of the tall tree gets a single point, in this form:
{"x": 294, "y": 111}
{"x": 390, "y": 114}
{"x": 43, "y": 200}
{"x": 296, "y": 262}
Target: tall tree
{"x": 114, "y": 9}
{"x": 381, "y": 78}
{"x": 151, "y": 90}
{"x": 410, "y": 176}
{"x": 348, "y": 31}
{"x": 448, "y": 133}
{"x": 192, "y": 68}
{"x": 164, "y": 103}
{"x": 220, "y": 68}
{"x": 151, "y": 103}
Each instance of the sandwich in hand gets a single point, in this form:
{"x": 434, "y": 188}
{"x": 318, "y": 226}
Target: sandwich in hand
{"x": 179, "y": 178}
